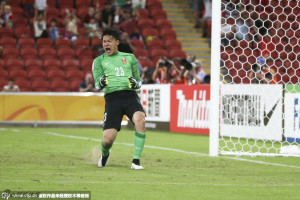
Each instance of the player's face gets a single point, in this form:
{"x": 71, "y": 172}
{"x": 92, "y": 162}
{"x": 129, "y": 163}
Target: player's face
{"x": 110, "y": 44}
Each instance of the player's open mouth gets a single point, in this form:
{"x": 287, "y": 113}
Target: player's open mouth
{"x": 108, "y": 50}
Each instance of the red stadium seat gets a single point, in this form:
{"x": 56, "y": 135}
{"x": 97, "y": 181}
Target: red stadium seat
{"x": 51, "y": 4}
{"x": 59, "y": 86}
{"x": 177, "y": 53}
{"x": 19, "y": 21}
{"x": 81, "y": 43}
{"x": 47, "y": 53}
{"x": 17, "y": 12}
{"x": 157, "y": 14}
{"x": 15, "y": 3}
{"x": 163, "y": 23}
{"x": 17, "y": 74}
{"x": 6, "y": 32}
{"x": 167, "y": 34}
{"x": 40, "y": 86}
{"x": 82, "y": 4}
{"x": 141, "y": 53}
{"x": 84, "y": 54}
{"x": 157, "y": 53}
{"x": 154, "y": 44}
{"x": 14, "y": 64}
{"x": 172, "y": 44}
{"x": 10, "y": 53}
{"x": 24, "y": 85}
{"x": 153, "y": 5}
{"x": 55, "y": 75}
{"x": 74, "y": 85}
{"x": 86, "y": 64}
{"x": 33, "y": 64}
{"x": 36, "y": 74}
{"x": 62, "y": 43}
{"x": 143, "y": 13}
{"x": 146, "y": 63}
{"x": 137, "y": 43}
{"x": 23, "y": 32}
{"x": 149, "y": 33}
{"x": 70, "y": 64}
{"x": 145, "y": 23}
{"x": 65, "y": 53}
{"x": 73, "y": 75}
{"x": 27, "y": 53}
{"x": 26, "y": 43}
{"x": 44, "y": 43}
{"x": 52, "y": 64}
{"x": 96, "y": 42}
{"x": 52, "y": 11}
{"x": 3, "y": 75}
{"x": 8, "y": 42}
{"x": 66, "y": 4}
{"x": 82, "y": 12}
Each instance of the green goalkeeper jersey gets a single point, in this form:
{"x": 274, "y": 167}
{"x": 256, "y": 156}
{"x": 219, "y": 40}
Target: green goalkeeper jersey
{"x": 118, "y": 68}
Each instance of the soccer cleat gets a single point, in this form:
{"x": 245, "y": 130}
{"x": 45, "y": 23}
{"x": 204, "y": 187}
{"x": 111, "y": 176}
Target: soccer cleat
{"x": 134, "y": 166}
{"x": 103, "y": 160}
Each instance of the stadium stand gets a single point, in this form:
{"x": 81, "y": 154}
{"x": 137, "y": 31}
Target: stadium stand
{"x": 27, "y": 59}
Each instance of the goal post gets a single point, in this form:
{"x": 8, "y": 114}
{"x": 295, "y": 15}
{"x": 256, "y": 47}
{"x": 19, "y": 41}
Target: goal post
{"x": 255, "y": 78}
{"x": 215, "y": 78}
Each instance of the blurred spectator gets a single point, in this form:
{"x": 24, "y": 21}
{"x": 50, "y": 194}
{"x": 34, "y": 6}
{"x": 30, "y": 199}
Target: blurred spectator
{"x": 146, "y": 76}
{"x": 89, "y": 16}
{"x": 227, "y": 32}
{"x": 261, "y": 73}
{"x": 88, "y": 84}
{"x": 98, "y": 18}
{"x": 40, "y": 6}
{"x": 93, "y": 28}
{"x": 163, "y": 73}
{"x": 7, "y": 16}
{"x": 206, "y": 17}
{"x": 29, "y": 7}
{"x": 39, "y": 24}
{"x": 119, "y": 16}
{"x": 242, "y": 28}
{"x": 53, "y": 30}
{"x": 11, "y": 87}
{"x": 108, "y": 14}
{"x": 125, "y": 44}
{"x": 129, "y": 25}
{"x": 196, "y": 5}
{"x": 2, "y": 6}
{"x": 70, "y": 22}
{"x": 178, "y": 72}
{"x": 198, "y": 73}
{"x": 138, "y": 4}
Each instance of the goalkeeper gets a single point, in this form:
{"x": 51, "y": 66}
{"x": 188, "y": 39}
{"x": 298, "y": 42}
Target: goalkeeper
{"x": 117, "y": 74}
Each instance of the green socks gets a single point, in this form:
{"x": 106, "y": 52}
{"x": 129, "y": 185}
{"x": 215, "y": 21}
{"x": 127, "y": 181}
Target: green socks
{"x": 105, "y": 149}
{"x": 139, "y": 142}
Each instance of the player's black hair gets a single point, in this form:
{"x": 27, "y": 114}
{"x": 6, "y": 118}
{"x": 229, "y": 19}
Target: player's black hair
{"x": 112, "y": 32}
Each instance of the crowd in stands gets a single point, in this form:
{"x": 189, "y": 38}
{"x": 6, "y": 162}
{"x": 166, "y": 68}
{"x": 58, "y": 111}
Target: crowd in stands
{"x": 260, "y": 41}
{"x": 49, "y": 45}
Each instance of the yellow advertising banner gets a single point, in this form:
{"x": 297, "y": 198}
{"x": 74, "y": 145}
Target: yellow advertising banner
{"x": 51, "y": 107}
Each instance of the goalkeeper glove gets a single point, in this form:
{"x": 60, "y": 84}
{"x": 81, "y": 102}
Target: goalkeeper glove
{"x": 133, "y": 84}
{"x": 103, "y": 81}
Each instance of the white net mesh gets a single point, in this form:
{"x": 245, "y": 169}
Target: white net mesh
{"x": 260, "y": 54}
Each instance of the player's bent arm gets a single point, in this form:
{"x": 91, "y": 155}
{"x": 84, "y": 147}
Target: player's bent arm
{"x": 97, "y": 73}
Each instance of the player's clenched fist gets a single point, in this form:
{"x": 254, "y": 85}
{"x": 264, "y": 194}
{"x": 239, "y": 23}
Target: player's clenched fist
{"x": 103, "y": 81}
{"x": 133, "y": 84}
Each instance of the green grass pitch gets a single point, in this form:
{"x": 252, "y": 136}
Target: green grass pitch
{"x": 177, "y": 166}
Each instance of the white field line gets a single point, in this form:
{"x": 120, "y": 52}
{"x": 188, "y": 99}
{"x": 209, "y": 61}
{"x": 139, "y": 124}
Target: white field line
{"x": 160, "y": 148}
{"x": 154, "y": 183}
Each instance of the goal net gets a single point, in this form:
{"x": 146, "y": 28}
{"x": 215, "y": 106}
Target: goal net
{"x": 255, "y": 91}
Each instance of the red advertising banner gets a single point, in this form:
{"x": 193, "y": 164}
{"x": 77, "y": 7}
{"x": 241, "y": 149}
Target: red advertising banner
{"x": 190, "y": 109}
